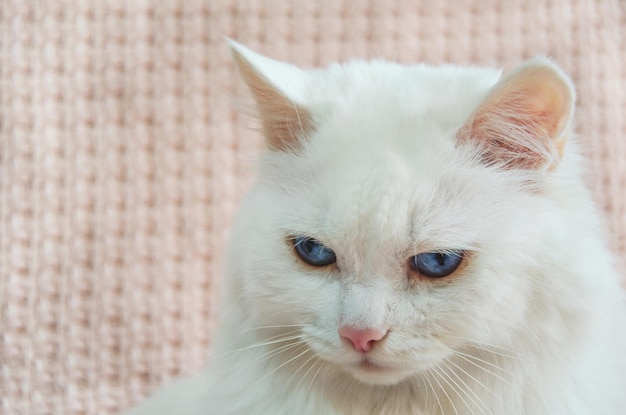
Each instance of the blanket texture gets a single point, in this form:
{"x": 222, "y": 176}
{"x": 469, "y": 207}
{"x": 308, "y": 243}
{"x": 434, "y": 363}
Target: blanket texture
{"x": 122, "y": 160}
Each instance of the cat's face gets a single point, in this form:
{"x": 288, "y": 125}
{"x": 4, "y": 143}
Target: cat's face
{"x": 376, "y": 213}
{"x": 383, "y": 242}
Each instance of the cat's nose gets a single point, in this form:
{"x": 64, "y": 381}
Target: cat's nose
{"x": 362, "y": 340}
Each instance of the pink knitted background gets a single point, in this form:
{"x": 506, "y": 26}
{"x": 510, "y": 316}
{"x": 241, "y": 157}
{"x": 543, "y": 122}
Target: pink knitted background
{"x": 122, "y": 160}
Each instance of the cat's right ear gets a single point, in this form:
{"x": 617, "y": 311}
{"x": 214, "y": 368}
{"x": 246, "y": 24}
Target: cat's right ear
{"x": 524, "y": 121}
{"x": 278, "y": 89}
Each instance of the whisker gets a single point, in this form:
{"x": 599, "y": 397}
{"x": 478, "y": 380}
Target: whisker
{"x": 276, "y": 351}
{"x": 285, "y": 363}
{"x": 323, "y": 363}
{"x": 455, "y": 389}
{"x": 277, "y": 326}
{"x": 269, "y": 342}
{"x": 272, "y": 352}
{"x": 499, "y": 350}
{"x": 300, "y": 368}
{"x": 498, "y": 353}
{"x": 465, "y": 357}
{"x": 467, "y": 389}
{"x": 274, "y": 340}
{"x": 435, "y": 373}
{"x": 308, "y": 371}
{"x": 430, "y": 384}
{"x": 458, "y": 353}
{"x": 477, "y": 381}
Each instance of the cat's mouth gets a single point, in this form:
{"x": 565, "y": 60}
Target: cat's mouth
{"x": 371, "y": 366}
{"x": 372, "y": 372}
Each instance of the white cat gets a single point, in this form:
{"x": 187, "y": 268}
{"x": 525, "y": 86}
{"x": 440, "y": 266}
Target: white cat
{"x": 419, "y": 241}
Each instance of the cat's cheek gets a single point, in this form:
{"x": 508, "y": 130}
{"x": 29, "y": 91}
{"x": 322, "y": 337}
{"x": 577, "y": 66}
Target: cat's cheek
{"x": 282, "y": 290}
{"x": 488, "y": 308}
{"x": 292, "y": 298}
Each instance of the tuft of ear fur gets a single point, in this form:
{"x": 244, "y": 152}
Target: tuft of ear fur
{"x": 277, "y": 88}
{"x": 523, "y": 122}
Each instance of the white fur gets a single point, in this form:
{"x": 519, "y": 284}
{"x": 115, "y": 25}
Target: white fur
{"x": 534, "y": 324}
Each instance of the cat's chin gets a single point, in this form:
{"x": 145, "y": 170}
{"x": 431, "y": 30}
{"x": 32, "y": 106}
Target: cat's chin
{"x": 374, "y": 373}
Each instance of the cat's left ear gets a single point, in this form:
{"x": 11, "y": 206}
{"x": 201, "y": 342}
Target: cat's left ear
{"x": 278, "y": 89}
{"x": 524, "y": 121}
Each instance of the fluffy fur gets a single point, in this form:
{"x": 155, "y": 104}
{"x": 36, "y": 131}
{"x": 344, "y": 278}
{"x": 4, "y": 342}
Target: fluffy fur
{"x": 380, "y": 162}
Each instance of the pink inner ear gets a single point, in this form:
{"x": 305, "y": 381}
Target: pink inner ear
{"x": 521, "y": 124}
{"x": 285, "y": 123}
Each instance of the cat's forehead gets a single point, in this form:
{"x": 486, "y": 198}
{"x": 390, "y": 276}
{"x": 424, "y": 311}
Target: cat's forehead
{"x": 379, "y": 198}
{"x": 371, "y": 110}
{"x": 386, "y": 201}
{"x": 448, "y": 93}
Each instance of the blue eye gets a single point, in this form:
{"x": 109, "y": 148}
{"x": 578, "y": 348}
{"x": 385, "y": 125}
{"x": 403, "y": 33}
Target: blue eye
{"x": 313, "y": 252}
{"x": 436, "y": 264}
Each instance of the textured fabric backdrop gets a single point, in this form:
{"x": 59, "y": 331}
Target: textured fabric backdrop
{"x": 122, "y": 160}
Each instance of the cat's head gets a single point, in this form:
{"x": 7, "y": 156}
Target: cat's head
{"x": 401, "y": 213}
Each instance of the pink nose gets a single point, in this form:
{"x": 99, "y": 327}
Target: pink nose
{"x": 362, "y": 339}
